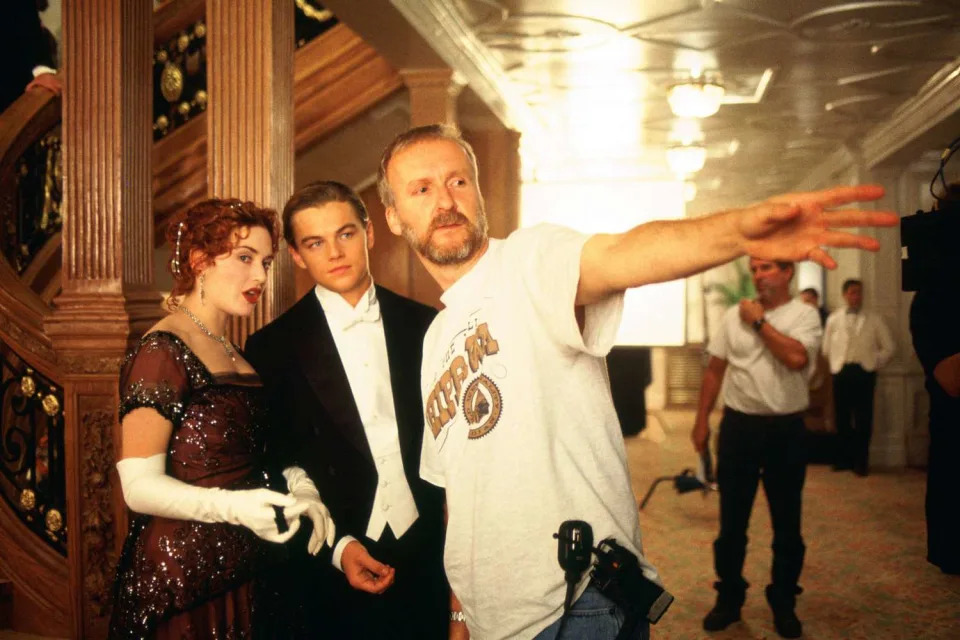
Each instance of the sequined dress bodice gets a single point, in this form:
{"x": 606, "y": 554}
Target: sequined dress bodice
{"x": 169, "y": 567}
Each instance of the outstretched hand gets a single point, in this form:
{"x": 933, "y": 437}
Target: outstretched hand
{"x": 797, "y": 226}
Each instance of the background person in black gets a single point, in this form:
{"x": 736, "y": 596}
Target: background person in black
{"x": 935, "y": 327}
{"x": 350, "y": 413}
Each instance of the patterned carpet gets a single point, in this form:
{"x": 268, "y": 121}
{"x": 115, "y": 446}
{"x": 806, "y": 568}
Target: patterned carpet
{"x": 865, "y": 576}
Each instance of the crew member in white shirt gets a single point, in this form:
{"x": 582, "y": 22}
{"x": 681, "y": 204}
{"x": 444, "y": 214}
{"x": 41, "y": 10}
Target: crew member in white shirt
{"x": 767, "y": 349}
{"x": 856, "y": 343}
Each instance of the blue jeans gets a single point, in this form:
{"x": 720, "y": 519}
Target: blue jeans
{"x": 592, "y": 617}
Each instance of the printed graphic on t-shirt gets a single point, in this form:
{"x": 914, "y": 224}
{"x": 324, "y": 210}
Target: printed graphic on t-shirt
{"x": 480, "y": 399}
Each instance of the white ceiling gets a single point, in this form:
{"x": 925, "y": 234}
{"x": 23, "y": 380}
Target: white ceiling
{"x": 586, "y": 80}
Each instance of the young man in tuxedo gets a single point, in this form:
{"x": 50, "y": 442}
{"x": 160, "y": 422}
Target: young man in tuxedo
{"x": 341, "y": 369}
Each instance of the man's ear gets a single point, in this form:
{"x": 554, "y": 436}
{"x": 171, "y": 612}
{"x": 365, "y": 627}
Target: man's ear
{"x": 369, "y": 232}
{"x": 296, "y": 257}
{"x": 393, "y": 222}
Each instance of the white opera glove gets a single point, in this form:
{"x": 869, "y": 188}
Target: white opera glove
{"x": 148, "y": 489}
{"x": 302, "y": 488}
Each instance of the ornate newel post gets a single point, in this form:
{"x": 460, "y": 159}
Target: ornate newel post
{"x": 107, "y": 295}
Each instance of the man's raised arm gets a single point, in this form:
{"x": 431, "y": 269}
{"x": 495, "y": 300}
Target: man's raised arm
{"x": 790, "y": 227}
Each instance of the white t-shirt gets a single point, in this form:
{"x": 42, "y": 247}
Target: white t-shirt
{"x": 755, "y": 381}
{"x": 521, "y": 429}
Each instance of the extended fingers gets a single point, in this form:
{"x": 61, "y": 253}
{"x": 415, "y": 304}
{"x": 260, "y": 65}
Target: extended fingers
{"x": 822, "y": 258}
{"x": 844, "y": 240}
{"x": 331, "y": 531}
{"x": 857, "y": 218}
{"x": 837, "y": 196}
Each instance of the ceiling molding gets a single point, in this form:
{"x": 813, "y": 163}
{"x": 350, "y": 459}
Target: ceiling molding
{"x": 458, "y": 44}
{"x": 827, "y": 172}
{"x": 936, "y": 102}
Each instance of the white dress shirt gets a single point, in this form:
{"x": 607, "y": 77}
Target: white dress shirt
{"x": 358, "y": 334}
{"x": 856, "y": 337}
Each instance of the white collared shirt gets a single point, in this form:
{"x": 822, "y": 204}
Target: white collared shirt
{"x": 358, "y": 334}
{"x": 859, "y": 337}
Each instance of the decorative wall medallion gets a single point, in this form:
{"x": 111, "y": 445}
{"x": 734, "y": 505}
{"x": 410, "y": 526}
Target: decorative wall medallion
{"x": 171, "y": 82}
{"x": 28, "y": 499}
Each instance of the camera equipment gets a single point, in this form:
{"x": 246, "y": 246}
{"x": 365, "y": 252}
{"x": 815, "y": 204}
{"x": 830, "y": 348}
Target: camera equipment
{"x": 928, "y": 239}
{"x": 616, "y": 574}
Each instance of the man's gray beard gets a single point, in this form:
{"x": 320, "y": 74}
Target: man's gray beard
{"x": 451, "y": 255}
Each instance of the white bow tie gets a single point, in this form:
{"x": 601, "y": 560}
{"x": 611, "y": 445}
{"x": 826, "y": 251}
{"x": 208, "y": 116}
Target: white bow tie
{"x": 370, "y": 314}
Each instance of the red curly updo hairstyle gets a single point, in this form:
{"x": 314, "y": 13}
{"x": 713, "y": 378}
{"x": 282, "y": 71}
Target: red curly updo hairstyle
{"x": 209, "y": 227}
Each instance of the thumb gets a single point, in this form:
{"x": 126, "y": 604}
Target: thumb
{"x": 781, "y": 211}
{"x": 368, "y": 562}
{"x": 275, "y": 498}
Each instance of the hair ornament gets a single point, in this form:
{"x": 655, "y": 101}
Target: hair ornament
{"x": 175, "y": 263}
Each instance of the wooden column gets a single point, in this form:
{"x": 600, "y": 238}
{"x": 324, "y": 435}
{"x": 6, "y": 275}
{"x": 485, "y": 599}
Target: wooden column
{"x": 250, "y": 156}
{"x": 108, "y": 295}
{"x": 433, "y": 99}
{"x": 498, "y": 157}
{"x": 433, "y": 95}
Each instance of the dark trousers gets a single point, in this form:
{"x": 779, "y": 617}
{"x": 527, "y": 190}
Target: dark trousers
{"x": 751, "y": 449}
{"x": 943, "y": 516}
{"x": 853, "y": 398}
{"x": 415, "y": 607}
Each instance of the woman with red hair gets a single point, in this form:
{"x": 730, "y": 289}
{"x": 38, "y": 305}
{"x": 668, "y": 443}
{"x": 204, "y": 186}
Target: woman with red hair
{"x": 209, "y": 516}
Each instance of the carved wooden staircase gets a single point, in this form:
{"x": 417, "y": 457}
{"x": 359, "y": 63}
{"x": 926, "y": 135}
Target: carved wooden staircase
{"x": 337, "y": 77}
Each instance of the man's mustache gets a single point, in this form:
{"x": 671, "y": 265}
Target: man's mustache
{"x": 447, "y": 218}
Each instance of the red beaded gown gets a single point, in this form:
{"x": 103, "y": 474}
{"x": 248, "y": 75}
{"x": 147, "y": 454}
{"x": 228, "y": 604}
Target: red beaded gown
{"x": 179, "y": 579}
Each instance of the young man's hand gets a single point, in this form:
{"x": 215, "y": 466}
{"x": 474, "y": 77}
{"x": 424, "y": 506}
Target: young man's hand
{"x": 363, "y": 572}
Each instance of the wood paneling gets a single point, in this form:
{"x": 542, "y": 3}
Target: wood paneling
{"x": 336, "y": 78}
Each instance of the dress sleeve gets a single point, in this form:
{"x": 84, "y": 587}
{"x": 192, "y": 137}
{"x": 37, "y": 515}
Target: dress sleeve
{"x": 155, "y": 376}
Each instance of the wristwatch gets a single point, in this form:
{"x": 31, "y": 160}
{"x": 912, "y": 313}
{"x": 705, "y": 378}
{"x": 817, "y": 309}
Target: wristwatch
{"x": 758, "y": 324}
{"x": 457, "y": 616}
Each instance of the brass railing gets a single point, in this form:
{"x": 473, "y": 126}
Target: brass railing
{"x": 31, "y": 209}
{"x": 32, "y": 472}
